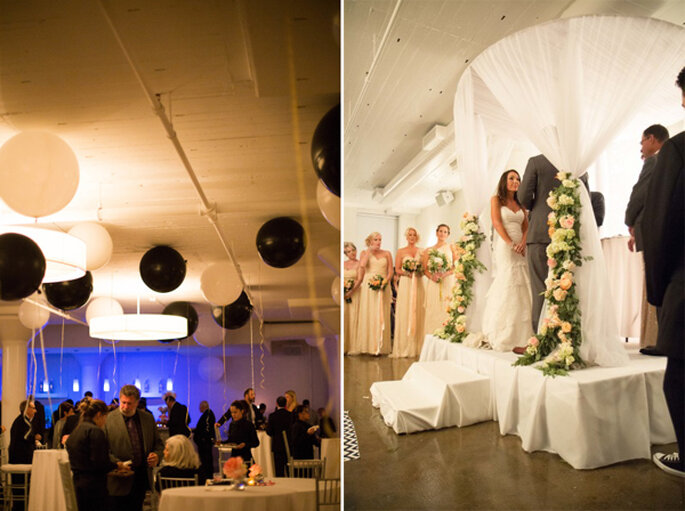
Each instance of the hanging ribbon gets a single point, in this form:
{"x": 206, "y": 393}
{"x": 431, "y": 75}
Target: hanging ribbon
{"x": 45, "y": 367}
{"x": 412, "y": 304}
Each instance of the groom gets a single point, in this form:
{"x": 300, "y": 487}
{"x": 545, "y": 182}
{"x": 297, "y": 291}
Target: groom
{"x": 538, "y": 180}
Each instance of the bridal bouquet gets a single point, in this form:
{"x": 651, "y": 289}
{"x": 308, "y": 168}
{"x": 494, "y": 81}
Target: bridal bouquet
{"x": 349, "y": 284}
{"x": 437, "y": 261}
{"x": 558, "y": 340}
{"x": 377, "y": 282}
{"x": 411, "y": 265}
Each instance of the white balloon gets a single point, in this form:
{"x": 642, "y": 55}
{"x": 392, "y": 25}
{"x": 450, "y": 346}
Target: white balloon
{"x": 98, "y": 242}
{"x": 31, "y": 315}
{"x": 220, "y": 283}
{"x": 103, "y": 306}
{"x": 335, "y": 290}
{"x": 208, "y": 333}
{"x": 39, "y": 173}
{"x": 210, "y": 369}
{"x": 329, "y": 204}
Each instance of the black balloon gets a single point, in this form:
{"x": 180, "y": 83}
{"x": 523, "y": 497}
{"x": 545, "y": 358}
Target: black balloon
{"x": 326, "y": 150}
{"x": 162, "y": 269}
{"x": 69, "y": 294}
{"x": 281, "y": 242}
{"x": 22, "y": 266}
{"x": 234, "y": 315}
{"x": 185, "y": 310}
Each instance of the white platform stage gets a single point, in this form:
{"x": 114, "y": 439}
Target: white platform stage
{"x": 592, "y": 418}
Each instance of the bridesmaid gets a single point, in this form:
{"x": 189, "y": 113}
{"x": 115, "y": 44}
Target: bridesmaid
{"x": 408, "y": 338}
{"x": 373, "y": 326}
{"x": 351, "y": 268}
{"x": 440, "y": 282}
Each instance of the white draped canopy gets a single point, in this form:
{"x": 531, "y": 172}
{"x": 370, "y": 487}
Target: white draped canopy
{"x": 568, "y": 87}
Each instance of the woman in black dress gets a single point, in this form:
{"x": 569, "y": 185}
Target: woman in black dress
{"x": 89, "y": 457}
{"x": 241, "y": 432}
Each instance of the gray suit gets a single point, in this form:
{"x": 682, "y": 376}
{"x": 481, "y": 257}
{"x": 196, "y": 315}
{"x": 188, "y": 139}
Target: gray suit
{"x": 538, "y": 180}
{"x": 121, "y": 449}
{"x": 636, "y": 203}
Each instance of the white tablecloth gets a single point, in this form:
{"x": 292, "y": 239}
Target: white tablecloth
{"x": 262, "y": 454}
{"x": 592, "y": 418}
{"x": 625, "y": 270}
{"x": 286, "y": 495}
{"x": 330, "y": 451}
{"x": 46, "y": 484}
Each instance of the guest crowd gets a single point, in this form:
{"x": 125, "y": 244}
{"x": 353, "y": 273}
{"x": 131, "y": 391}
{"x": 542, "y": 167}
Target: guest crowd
{"x": 114, "y": 448}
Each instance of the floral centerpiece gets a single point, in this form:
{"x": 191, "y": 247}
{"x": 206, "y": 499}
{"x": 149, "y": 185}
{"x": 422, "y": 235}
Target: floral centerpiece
{"x": 559, "y": 337}
{"x": 465, "y": 268}
{"x": 349, "y": 284}
{"x": 377, "y": 282}
{"x": 437, "y": 262}
{"x": 235, "y": 468}
{"x": 411, "y": 265}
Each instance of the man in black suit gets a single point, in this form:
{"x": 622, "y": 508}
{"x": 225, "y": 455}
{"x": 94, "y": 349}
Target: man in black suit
{"x": 663, "y": 224}
{"x": 279, "y": 421}
{"x": 204, "y": 437}
{"x": 652, "y": 140}
{"x": 178, "y": 417}
{"x": 538, "y": 180}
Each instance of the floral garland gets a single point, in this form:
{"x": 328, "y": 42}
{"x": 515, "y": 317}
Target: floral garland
{"x": 560, "y": 337}
{"x": 465, "y": 268}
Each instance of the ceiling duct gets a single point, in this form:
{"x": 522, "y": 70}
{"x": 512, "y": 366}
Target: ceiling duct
{"x": 432, "y": 139}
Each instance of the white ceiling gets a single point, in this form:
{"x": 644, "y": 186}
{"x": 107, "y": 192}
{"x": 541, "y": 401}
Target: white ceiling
{"x": 403, "y": 60}
{"x": 244, "y": 85}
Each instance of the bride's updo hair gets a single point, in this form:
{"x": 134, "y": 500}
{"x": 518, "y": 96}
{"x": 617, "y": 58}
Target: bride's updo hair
{"x": 445, "y": 226}
{"x": 406, "y": 233}
{"x": 502, "y": 187}
{"x": 370, "y": 237}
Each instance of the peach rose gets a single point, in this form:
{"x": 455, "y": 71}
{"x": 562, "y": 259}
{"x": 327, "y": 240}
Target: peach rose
{"x": 460, "y": 276}
{"x": 460, "y": 328}
{"x": 565, "y": 284}
{"x": 461, "y": 309}
{"x": 567, "y": 221}
{"x": 533, "y": 341}
{"x": 559, "y": 295}
{"x": 566, "y": 327}
{"x": 552, "y": 263}
{"x": 551, "y": 231}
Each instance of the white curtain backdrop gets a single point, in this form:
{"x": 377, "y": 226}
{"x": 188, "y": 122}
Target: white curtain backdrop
{"x": 570, "y": 86}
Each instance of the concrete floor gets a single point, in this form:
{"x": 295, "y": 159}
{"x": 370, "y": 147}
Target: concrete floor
{"x": 477, "y": 468}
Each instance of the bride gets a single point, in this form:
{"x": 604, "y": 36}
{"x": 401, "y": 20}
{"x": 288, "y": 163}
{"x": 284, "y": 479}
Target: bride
{"x": 507, "y": 313}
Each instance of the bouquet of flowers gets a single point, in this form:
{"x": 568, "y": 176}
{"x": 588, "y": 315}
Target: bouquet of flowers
{"x": 234, "y": 468}
{"x": 377, "y": 282}
{"x": 349, "y": 284}
{"x": 411, "y": 265}
{"x": 437, "y": 262}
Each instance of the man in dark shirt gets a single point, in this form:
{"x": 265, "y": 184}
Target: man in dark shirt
{"x": 23, "y": 435}
{"x": 303, "y": 436}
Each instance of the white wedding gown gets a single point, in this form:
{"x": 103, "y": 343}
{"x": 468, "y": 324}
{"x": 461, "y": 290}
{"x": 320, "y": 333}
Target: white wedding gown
{"x": 507, "y": 313}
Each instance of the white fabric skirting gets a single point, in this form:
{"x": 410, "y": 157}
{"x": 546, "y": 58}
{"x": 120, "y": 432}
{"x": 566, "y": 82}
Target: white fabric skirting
{"x": 592, "y": 418}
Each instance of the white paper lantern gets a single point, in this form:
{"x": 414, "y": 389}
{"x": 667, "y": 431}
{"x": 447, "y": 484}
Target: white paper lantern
{"x": 210, "y": 369}
{"x": 39, "y": 173}
{"x": 208, "y": 333}
{"x": 98, "y": 242}
{"x": 31, "y": 315}
{"x": 329, "y": 204}
{"x": 220, "y": 283}
{"x": 103, "y": 306}
{"x": 335, "y": 290}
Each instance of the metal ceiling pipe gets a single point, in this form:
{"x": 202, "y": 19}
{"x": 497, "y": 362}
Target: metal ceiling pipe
{"x": 208, "y": 209}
